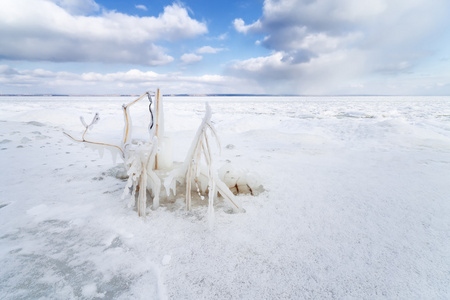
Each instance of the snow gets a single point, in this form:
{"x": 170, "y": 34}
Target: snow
{"x": 355, "y": 202}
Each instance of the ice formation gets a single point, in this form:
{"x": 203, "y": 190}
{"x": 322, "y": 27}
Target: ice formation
{"x": 150, "y": 169}
{"x": 240, "y": 181}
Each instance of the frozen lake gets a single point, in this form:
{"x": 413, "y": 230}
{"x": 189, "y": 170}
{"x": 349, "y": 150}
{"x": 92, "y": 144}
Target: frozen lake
{"x": 356, "y": 202}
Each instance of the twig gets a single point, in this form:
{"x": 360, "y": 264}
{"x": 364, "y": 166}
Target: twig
{"x": 134, "y": 101}
{"x": 95, "y": 143}
{"x": 250, "y": 189}
{"x": 125, "y": 138}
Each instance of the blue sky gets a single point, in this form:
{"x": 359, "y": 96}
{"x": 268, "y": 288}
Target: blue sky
{"x": 305, "y": 47}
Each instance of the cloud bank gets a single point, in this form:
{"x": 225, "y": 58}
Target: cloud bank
{"x": 67, "y": 31}
{"x": 130, "y": 82}
{"x": 330, "y": 46}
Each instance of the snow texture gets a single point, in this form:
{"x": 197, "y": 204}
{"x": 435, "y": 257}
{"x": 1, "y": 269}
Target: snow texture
{"x": 355, "y": 204}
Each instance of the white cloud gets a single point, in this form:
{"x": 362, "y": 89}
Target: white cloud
{"x": 253, "y": 78}
{"x": 346, "y": 40}
{"x": 189, "y": 58}
{"x": 279, "y": 73}
{"x": 209, "y": 50}
{"x": 133, "y": 81}
{"x": 42, "y": 30}
{"x": 78, "y": 7}
{"x": 141, "y": 7}
{"x": 240, "y": 26}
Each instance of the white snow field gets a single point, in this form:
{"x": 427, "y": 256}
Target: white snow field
{"x": 356, "y": 202}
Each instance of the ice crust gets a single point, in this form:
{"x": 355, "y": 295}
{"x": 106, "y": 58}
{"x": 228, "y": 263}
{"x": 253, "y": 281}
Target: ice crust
{"x": 355, "y": 202}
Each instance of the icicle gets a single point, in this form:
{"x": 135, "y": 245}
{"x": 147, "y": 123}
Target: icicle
{"x": 153, "y": 180}
{"x": 142, "y": 198}
{"x": 165, "y": 153}
{"x": 211, "y": 217}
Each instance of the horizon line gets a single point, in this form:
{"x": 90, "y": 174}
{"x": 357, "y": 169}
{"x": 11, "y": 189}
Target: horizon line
{"x": 216, "y": 95}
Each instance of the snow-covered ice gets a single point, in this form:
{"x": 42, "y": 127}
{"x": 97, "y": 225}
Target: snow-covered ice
{"x": 356, "y": 202}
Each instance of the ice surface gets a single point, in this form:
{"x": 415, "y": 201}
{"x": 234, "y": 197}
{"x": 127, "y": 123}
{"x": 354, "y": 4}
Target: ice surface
{"x": 166, "y": 260}
{"x": 356, "y": 202}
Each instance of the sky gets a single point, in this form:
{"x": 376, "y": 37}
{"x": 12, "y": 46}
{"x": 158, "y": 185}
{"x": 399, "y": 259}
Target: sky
{"x": 300, "y": 47}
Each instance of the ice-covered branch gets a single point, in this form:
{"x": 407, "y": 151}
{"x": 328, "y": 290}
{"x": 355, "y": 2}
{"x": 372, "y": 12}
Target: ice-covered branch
{"x": 192, "y": 169}
{"x": 145, "y": 172}
{"x": 87, "y": 127}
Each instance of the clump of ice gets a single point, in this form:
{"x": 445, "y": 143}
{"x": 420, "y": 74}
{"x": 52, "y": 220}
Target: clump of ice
{"x": 165, "y": 153}
{"x": 240, "y": 181}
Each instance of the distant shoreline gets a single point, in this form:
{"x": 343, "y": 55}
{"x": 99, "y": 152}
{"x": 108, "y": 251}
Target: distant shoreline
{"x": 137, "y": 95}
{"x": 204, "y": 95}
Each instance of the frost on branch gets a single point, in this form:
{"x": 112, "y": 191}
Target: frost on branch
{"x": 148, "y": 163}
{"x": 198, "y": 169}
{"x": 141, "y": 175}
